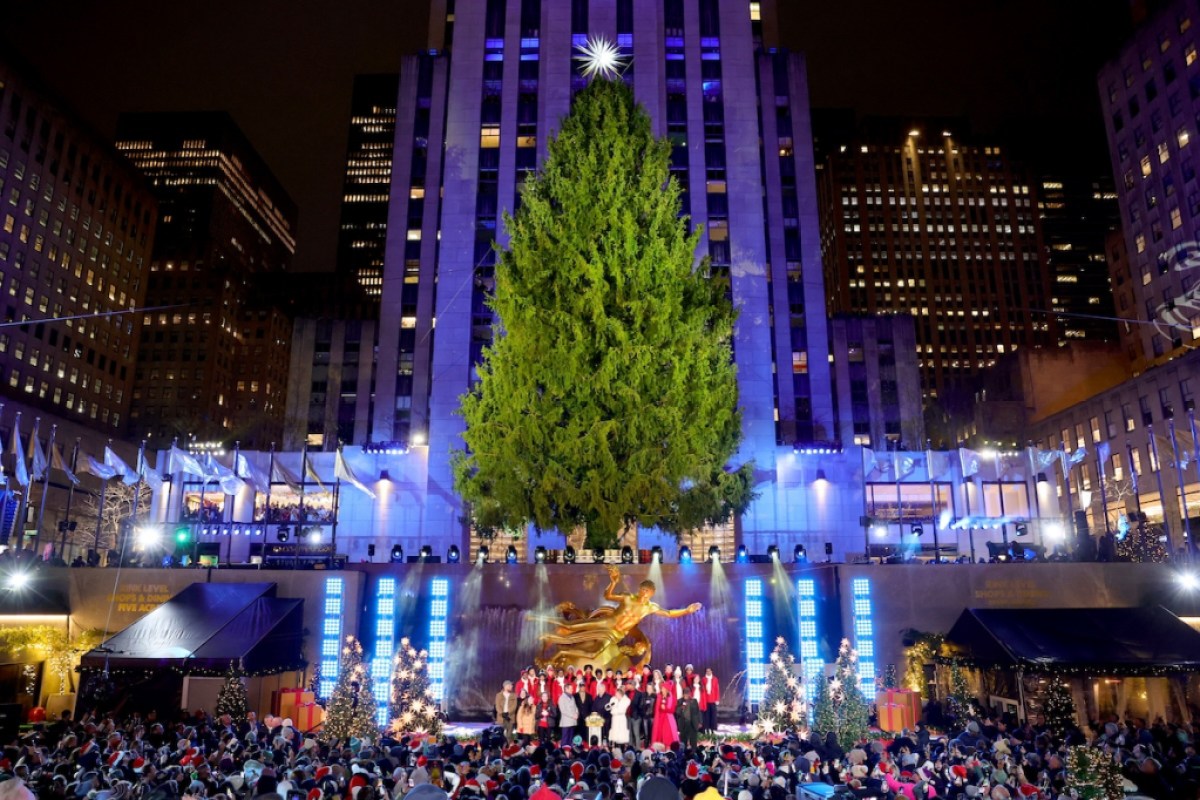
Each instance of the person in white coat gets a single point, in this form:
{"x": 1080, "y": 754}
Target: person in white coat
{"x": 618, "y": 731}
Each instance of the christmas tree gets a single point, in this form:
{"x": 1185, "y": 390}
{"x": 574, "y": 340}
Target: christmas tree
{"x": 824, "y": 713}
{"x": 783, "y": 706}
{"x": 852, "y": 713}
{"x": 600, "y": 305}
{"x": 351, "y": 710}
{"x": 1059, "y": 708}
{"x": 232, "y": 698}
{"x": 960, "y": 703}
{"x": 412, "y": 707}
{"x": 1093, "y": 775}
{"x": 889, "y": 677}
{"x": 1142, "y": 543}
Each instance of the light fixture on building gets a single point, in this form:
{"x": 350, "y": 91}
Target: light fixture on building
{"x": 626, "y": 555}
{"x": 773, "y": 552}
{"x": 426, "y": 552}
{"x": 539, "y": 554}
{"x": 598, "y": 555}
{"x": 569, "y": 555}
{"x": 656, "y": 555}
{"x": 397, "y": 554}
{"x": 685, "y": 555}
{"x": 453, "y": 555}
{"x": 510, "y": 555}
{"x": 714, "y": 554}
{"x": 743, "y": 555}
{"x": 481, "y": 555}
{"x": 799, "y": 554}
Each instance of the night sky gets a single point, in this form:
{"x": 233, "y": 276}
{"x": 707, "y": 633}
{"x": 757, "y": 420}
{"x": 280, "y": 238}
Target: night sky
{"x": 1020, "y": 69}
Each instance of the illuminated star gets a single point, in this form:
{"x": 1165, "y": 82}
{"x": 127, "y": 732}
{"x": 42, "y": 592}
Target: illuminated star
{"x": 600, "y": 58}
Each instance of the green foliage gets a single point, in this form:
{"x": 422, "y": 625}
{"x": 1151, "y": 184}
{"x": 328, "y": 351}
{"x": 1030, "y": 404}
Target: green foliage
{"x": 1142, "y": 544}
{"x": 1059, "y": 708}
{"x": 783, "y": 706}
{"x": 824, "y": 713}
{"x": 889, "y": 677}
{"x": 960, "y": 702}
{"x": 232, "y": 699}
{"x": 412, "y": 708}
{"x": 920, "y": 649}
{"x": 53, "y": 644}
{"x": 351, "y": 710}
{"x": 1093, "y": 775}
{"x": 608, "y": 395}
{"x": 850, "y": 706}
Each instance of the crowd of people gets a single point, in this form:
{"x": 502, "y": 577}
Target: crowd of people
{"x": 641, "y": 708}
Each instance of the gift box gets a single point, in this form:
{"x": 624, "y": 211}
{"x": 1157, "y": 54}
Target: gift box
{"x": 308, "y": 717}
{"x": 894, "y": 717}
{"x": 285, "y": 701}
{"x": 903, "y": 697}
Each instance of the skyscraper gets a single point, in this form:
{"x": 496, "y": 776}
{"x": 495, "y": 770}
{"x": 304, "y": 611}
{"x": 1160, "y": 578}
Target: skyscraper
{"x": 213, "y": 362}
{"x": 473, "y": 118}
{"x": 363, "y": 231}
{"x": 919, "y": 219}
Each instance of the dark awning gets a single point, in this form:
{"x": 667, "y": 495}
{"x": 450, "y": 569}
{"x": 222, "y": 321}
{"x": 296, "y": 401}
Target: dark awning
{"x": 1112, "y": 641}
{"x": 205, "y": 627}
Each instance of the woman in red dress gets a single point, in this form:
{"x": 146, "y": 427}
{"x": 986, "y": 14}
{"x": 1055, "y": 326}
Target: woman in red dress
{"x": 665, "y": 730}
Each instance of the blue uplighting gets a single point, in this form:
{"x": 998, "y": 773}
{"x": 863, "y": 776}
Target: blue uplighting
{"x": 810, "y": 654}
{"x": 685, "y": 555}
{"x": 331, "y": 636}
{"x": 756, "y": 657}
{"x": 439, "y": 611}
{"x": 864, "y": 633}
{"x": 743, "y": 555}
{"x": 385, "y": 643}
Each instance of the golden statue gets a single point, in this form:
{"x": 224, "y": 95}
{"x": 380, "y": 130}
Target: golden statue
{"x": 609, "y": 636}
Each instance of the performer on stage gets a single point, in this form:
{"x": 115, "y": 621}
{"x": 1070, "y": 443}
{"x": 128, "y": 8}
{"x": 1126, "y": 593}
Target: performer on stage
{"x": 506, "y": 709}
{"x": 599, "y": 705}
{"x": 711, "y": 689}
{"x": 527, "y": 717}
{"x": 665, "y": 731}
{"x": 568, "y": 714}
{"x": 618, "y": 708}
{"x": 547, "y": 718}
{"x": 687, "y": 717}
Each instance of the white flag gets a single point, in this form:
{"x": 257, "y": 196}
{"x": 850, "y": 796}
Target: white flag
{"x": 97, "y": 468}
{"x": 282, "y": 474}
{"x": 37, "y": 456}
{"x": 18, "y": 453}
{"x": 223, "y": 475}
{"x": 342, "y": 471}
{"x": 148, "y": 473}
{"x": 246, "y": 470}
{"x": 179, "y": 461}
{"x": 970, "y": 461}
{"x": 120, "y": 468}
{"x": 57, "y": 462}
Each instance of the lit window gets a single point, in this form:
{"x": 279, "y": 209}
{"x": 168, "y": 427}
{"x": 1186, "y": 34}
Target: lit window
{"x": 414, "y": 234}
{"x": 1189, "y": 54}
{"x": 1164, "y": 153}
{"x": 1145, "y": 166}
{"x": 1176, "y": 219}
{"x": 416, "y": 193}
{"x": 489, "y": 136}
{"x": 755, "y": 11}
{"x": 1182, "y": 137}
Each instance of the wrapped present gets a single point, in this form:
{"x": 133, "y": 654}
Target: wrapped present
{"x": 308, "y": 717}
{"x": 285, "y": 701}
{"x": 894, "y": 717}
{"x": 904, "y": 697}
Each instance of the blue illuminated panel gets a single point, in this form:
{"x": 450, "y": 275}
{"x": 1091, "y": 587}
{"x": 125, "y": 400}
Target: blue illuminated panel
{"x": 439, "y": 610}
{"x": 385, "y": 643}
{"x": 756, "y": 656}
{"x": 331, "y": 635}
{"x": 864, "y": 633}
{"x": 810, "y": 654}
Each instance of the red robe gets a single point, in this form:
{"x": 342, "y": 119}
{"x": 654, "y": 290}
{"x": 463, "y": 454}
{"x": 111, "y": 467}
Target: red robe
{"x": 664, "y": 729}
{"x": 710, "y": 689}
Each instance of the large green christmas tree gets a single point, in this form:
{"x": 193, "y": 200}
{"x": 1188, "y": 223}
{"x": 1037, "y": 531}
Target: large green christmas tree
{"x": 608, "y": 395}
{"x": 1093, "y": 775}
{"x": 783, "y": 705}
{"x": 960, "y": 702}
{"x": 231, "y": 699}
{"x": 351, "y": 710}
{"x": 853, "y": 714}
{"x": 824, "y": 713}
{"x": 412, "y": 708}
{"x": 1059, "y": 708}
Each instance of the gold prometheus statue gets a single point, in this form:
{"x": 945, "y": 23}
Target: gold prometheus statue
{"x": 609, "y": 636}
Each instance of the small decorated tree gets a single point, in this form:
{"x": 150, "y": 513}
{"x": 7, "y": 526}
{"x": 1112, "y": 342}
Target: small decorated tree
{"x": 960, "y": 702}
{"x": 351, "y": 710}
{"x": 412, "y": 708}
{"x": 783, "y": 705}
{"x": 1093, "y": 775}
{"x": 824, "y": 713}
{"x": 853, "y": 715}
{"x": 232, "y": 699}
{"x": 1059, "y": 708}
{"x": 889, "y": 677}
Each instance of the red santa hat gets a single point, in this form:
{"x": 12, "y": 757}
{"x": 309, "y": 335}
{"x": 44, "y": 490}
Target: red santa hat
{"x": 315, "y": 794}
{"x": 115, "y": 757}
{"x": 322, "y": 772}
{"x": 1028, "y": 790}
{"x": 491, "y": 786}
{"x": 577, "y": 770}
{"x": 906, "y": 776}
{"x": 959, "y": 771}
{"x": 88, "y": 747}
{"x": 693, "y": 770}
{"x": 139, "y": 764}
{"x": 358, "y": 781}
{"x": 422, "y": 761}
{"x": 535, "y": 771}
{"x": 511, "y": 750}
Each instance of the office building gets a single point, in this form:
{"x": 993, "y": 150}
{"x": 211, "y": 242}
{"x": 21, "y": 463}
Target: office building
{"x": 919, "y": 218}
{"x": 362, "y": 234}
{"x": 878, "y": 385}
{"x": 210, "y": 356}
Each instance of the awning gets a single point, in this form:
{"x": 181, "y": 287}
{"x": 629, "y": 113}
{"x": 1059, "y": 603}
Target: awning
{"x": 1101, "y": 641}
{"x": 205, "y": 627}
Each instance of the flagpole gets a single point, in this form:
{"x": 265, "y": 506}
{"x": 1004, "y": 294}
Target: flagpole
{"x": 866, "y": 516}
{"x": 23, "y": 502}
{"x": 1103, "y": 493}
{"x": 100, "y": 510}
{"x": 1066, "y": 468}
{"x": 37, "y": 536}
{"x": 1034, "y": 471}
{"x": 1162, "y": 497}
{"x": 337, "y": 501}
{"x": 937, "y": 547}
{"x": 66, "y": 524}
{"x": 1187, "y": 525}
{"x": 137, "y": 494}
{"x": 303, "y": 483}
{"x": 237, "y": 446}
{"x": 267, "y": 511}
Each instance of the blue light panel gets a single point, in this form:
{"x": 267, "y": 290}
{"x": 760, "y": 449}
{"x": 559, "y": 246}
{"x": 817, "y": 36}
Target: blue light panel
{"x": 385, "y": 644}
{"x": 331, "y": 636}
{"x": 438, "y": 611}
{"x": 864, "y": 633}
{"x": 756, "y": 662}
{"x": 810, "y": 654}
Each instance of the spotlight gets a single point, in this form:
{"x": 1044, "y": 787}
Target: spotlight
{"x": 714, "y": 554}
{"x": 147, "y": 536}
{"x": 17, "y": 581}
{"x": 426, "y": 552}
{"x": 314, "y": 536}
{"x": 743, "y": 555}
{"x": 685, "y": 555}
{"x": 569, "y": 555}
{"x": 481, "y": 557}
{"x": 453, "y": 555}
{"x": 879, "y": 529}
{"x": 598, "y": 555}
{"x": 1022, "y": 529}
{"x": 1054, "y": 531}
{"x": 510, "y": 556}
{"x": 917, "y": 530}
{"x": 539, "y": 554}
{"x": 283, "y": 534}
{"x": 397, "y": 554}
{"x": 1188, "y": 581}
{"x": 1041, "y": 478}
{"x": 656, "y": 554}
{"x": 773, "y": 552}
{"x": 799, "y": 554}
{"x": 820, "y": 477}
{"x": 626, "y": 555}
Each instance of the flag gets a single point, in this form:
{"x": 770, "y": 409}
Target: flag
{"x": 342, "y": 472}
{"x": 904, "y": 466}
{"x": 936, "y": 464}
{"x": 310, "y": 473}
{"x": 18, "y": 452}
{"x": 223, "y": 475}
{"x": 1103, "y": 452}
{"x": 246, "y": 470}
{"x": 869, "y": 465}
{"x": 970, "y": 461}
{"x": 281, "y": 474}
{"x": 97, "y": 468}
{"x": 148, "y": 473}
{"x": 1078, "y": 455}
{"x": 1041, "y": 460}
{"x": 1133, "y": 476}
{"x": 37, "y": 456}
{"x": 180, "y": 461}
{"x": 120, "y": 468}
{"x": 57, "y": 462}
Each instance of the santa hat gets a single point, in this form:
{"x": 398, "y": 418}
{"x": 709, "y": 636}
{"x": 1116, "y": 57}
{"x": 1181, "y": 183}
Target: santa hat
{"x": 511, "y": 750}
{"x": 357, "y": 781}
{"x": 693, "y": 770}
{"x": 422, "y": 761}
{"x": 959, "y": 771}
{"x": 906, "y": 776}
{"x": 1028, "y": 790}
{"x": 139, "y": 764}
{"x": 577, "y": 770}
{"x": 322, "y": 772}
{"x": 314, "y": 794}
{"x": 535, "y": 771}
{"x": 87, "y": 747}
{"x": 115, "y": 757}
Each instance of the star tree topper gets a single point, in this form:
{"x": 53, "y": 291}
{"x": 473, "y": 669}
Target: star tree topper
{"x": 601, "y": 58}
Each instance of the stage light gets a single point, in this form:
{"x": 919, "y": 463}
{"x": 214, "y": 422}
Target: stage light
{"x": 598, "y": 555}
{"x": 810, "y": 655}
{"x": 1041, "y": 478}
{"x": 397, "y": 554}
{"x": 714, "y": 554}
{"x": 1054, "y": 531}
{"x": 426, "y": 552}
{"x": 439, "y": 611}
{"x": 453, "y": 555}
{"x": 626, "y": 555}
{"x": 773, "y": 552}
{"x": 147, "y": 536}
{"x": 385, "y": 634}
{"x": 283, "y": 534}
{"x": 314, "y": 536}
{"x": 481, "y": 557}
{"x": 1022, "y": 529}
{"x": 743, "y": 555}
{"x": 864, "y": 631}
{"x": 1188, "y": 581}
{"x": 510, "y": 556}
{"x": 879, "y": 529}
{"x": 539, "y": 554}
{"x": 17, "y": 581}
{"x": 799, "y": 554}
{"x": 820, "y": 477}
{"x": 331, "y": 635}
{"x": 685, "y": 555}
{"x": 656, "y": 554}
{"x": 569, "y": 555}
{"x": 917, "y": 530}
{"x": 756, "y": 654}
